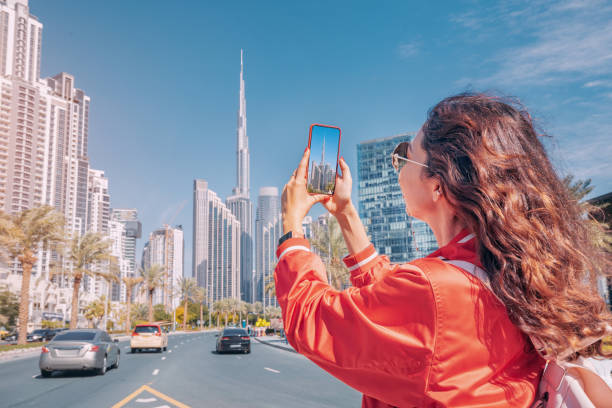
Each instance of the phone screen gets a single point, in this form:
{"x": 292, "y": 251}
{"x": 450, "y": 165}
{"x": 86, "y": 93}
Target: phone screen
{"x": 324, "y": 143}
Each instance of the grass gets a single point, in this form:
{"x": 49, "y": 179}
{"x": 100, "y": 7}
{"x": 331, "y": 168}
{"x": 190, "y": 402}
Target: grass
{"x": 7, "y": 347}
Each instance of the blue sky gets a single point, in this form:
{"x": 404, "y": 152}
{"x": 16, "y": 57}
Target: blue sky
{"x": 164, "y": 78}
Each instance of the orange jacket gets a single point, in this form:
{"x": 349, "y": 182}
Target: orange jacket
{"x": 422, "y": 334}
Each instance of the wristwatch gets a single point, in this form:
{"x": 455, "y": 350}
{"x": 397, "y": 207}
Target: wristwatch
{"x": 288, "y": 235}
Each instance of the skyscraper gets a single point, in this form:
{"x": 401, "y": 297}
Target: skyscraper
{"x": 132, "y": 231}
{"x": 270, "y": 234}
{"x": 168, "y": 254}
{"x": 268, "y": 208}
{"x": 43, "y": 129}
{"x": 240, "y": 203}
{"x": 216, "y": 244}
{"x": 381, "y": 205}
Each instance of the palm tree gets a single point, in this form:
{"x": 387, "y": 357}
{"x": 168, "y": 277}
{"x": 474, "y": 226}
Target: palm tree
{"x": 129, "y": 283}
{"x": 187, "y": 287}
{"x": 21, "y": 236}
{"x": 270, "y": 285}
{"x": 200, "y": 298}
{"x": 95, "y": 311}
{"x": 329, "y": 243}
{"x": 599, "y": 230}
{"x": 152, "y": 278}
{"x": 85, "y": 251}
{"x": 112, "y": 275}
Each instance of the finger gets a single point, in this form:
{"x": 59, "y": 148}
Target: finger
{"x": 346, "y": 172}
{"x": 301, "y": 170}
{"x": 317, "y": 198}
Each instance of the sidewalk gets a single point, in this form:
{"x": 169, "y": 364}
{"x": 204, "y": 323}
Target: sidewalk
{"x": 275, "y": 341}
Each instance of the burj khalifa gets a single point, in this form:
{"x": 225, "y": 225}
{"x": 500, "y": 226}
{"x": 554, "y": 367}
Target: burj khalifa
{"x": 240, "y": 203}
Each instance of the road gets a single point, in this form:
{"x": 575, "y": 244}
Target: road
{"x": 189, "y": 374}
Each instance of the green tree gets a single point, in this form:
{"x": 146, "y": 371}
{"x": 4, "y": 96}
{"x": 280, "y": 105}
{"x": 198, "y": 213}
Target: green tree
{"x": 152, "y": 279}
{"x": 187, "y": 287}
{"x": 111, "y": 273}
{"x": 94, "y": 311}
{"x": 85, "y": 251}
{"x": 200, "y": 298}
{"x": 160, "y": 314}
{"x": 600, "y": 231}
{"x": 9, "y": 308}
{"x": 139, "y": 313}
{"x": 129, "y": 283}
{"x": 270, "y": 285}
{"x": 21, "y": 236}
{"x": 329, "y": 243}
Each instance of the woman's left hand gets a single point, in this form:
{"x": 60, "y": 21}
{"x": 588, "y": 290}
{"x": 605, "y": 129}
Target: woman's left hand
{"x": 296, "y": 201}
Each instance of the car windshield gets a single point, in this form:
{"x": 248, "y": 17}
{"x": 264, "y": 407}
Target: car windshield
{"x": 76, "y": 336}
{"x": 234, "y": 332}
{"x": 39, "y": 331}
{"x": 146, "y": 329}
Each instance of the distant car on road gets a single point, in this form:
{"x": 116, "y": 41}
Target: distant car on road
{"x": 41, "y": 335}
{"x": 81, "y": 349}
{"x": 148, "y": 336}
{"x": 233, "y": 339}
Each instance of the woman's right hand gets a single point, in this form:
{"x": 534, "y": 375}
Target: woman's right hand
{"x": 340, "y": 202}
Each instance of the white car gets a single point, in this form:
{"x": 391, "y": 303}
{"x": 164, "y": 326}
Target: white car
{"x": 148, "y": 336}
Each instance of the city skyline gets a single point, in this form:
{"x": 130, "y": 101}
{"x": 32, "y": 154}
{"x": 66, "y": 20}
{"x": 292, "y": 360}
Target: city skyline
{"x": 371, "y": 83}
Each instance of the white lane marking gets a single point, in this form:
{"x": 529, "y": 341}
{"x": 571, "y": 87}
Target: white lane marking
{"x": 175, "y": 346}
{"x": 34, "y": 376}
{"x": 156, "y": 371}
{"x": 163, "y": 358}
{"x": 239, "y": 358}
{"x": 125, "y": 348}
{"x": 163, "y": 406}
{"x": 146, "y": 399}
{"x": 271, "y": 369}
{"x": 170, "y": 351}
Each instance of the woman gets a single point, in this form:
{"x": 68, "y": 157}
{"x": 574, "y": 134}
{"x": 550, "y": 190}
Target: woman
{"x": 452, "y": 329}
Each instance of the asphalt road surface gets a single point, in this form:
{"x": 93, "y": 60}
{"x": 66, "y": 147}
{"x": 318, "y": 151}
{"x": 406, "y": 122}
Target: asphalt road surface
{"x": 189, "y": 374}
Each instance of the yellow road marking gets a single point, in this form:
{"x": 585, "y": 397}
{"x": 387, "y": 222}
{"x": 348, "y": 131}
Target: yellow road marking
{"x": 152, "y": 391}
{"x": 129, "y": 397}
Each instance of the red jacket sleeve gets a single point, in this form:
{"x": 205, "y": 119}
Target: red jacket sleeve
{"x": 367, "y": 266}
{"x": 377, "y": 338}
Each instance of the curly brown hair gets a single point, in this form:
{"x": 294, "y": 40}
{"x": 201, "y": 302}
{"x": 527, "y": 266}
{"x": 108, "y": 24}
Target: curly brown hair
{"x": 533, "y": 239}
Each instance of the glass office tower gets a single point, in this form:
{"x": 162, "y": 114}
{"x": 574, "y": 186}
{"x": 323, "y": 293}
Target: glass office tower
{"x": 381, "y": 206}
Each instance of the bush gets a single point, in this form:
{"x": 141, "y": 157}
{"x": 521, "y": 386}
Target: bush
{"x": 53, "y": 324}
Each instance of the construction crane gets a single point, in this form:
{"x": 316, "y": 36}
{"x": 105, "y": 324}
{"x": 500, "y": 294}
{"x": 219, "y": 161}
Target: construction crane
{"x": 167, "y": 261}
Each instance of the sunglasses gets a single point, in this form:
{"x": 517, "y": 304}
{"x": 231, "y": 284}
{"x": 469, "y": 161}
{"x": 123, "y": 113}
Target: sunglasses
{"x": 398, "y": 157}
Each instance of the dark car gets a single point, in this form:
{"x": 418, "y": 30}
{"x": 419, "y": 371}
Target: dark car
{"x": 81, "y": 349}
{"x": 233, "y": 339}
{"x": 41, "y": 335}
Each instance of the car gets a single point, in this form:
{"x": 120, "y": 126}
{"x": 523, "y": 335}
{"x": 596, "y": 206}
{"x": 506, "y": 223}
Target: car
{"x": 41, "y": 335}
{"x": 233, "y": 339}
{"x": 148, "y": 336}
{"x": 79, "y": 349}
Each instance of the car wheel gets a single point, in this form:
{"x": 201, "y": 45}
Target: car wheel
{"x": 248, "y": 351}
{"x": 102, "y": 370}
{"x": 159, "y": 350}
{"x": 116, "y": 365}
{"x": 132, "y": 350}
{"x": 46, "y": 373}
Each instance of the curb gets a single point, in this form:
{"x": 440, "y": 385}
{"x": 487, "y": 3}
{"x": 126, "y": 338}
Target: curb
{"x": 278, "y": 346}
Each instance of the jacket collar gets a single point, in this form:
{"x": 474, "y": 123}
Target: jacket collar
{"x": 461, "y": 248}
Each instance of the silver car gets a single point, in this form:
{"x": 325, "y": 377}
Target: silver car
{"x": 81, "y": 349}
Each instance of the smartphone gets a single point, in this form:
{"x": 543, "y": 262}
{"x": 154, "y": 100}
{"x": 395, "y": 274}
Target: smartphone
{"x": 324, "y": 144}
